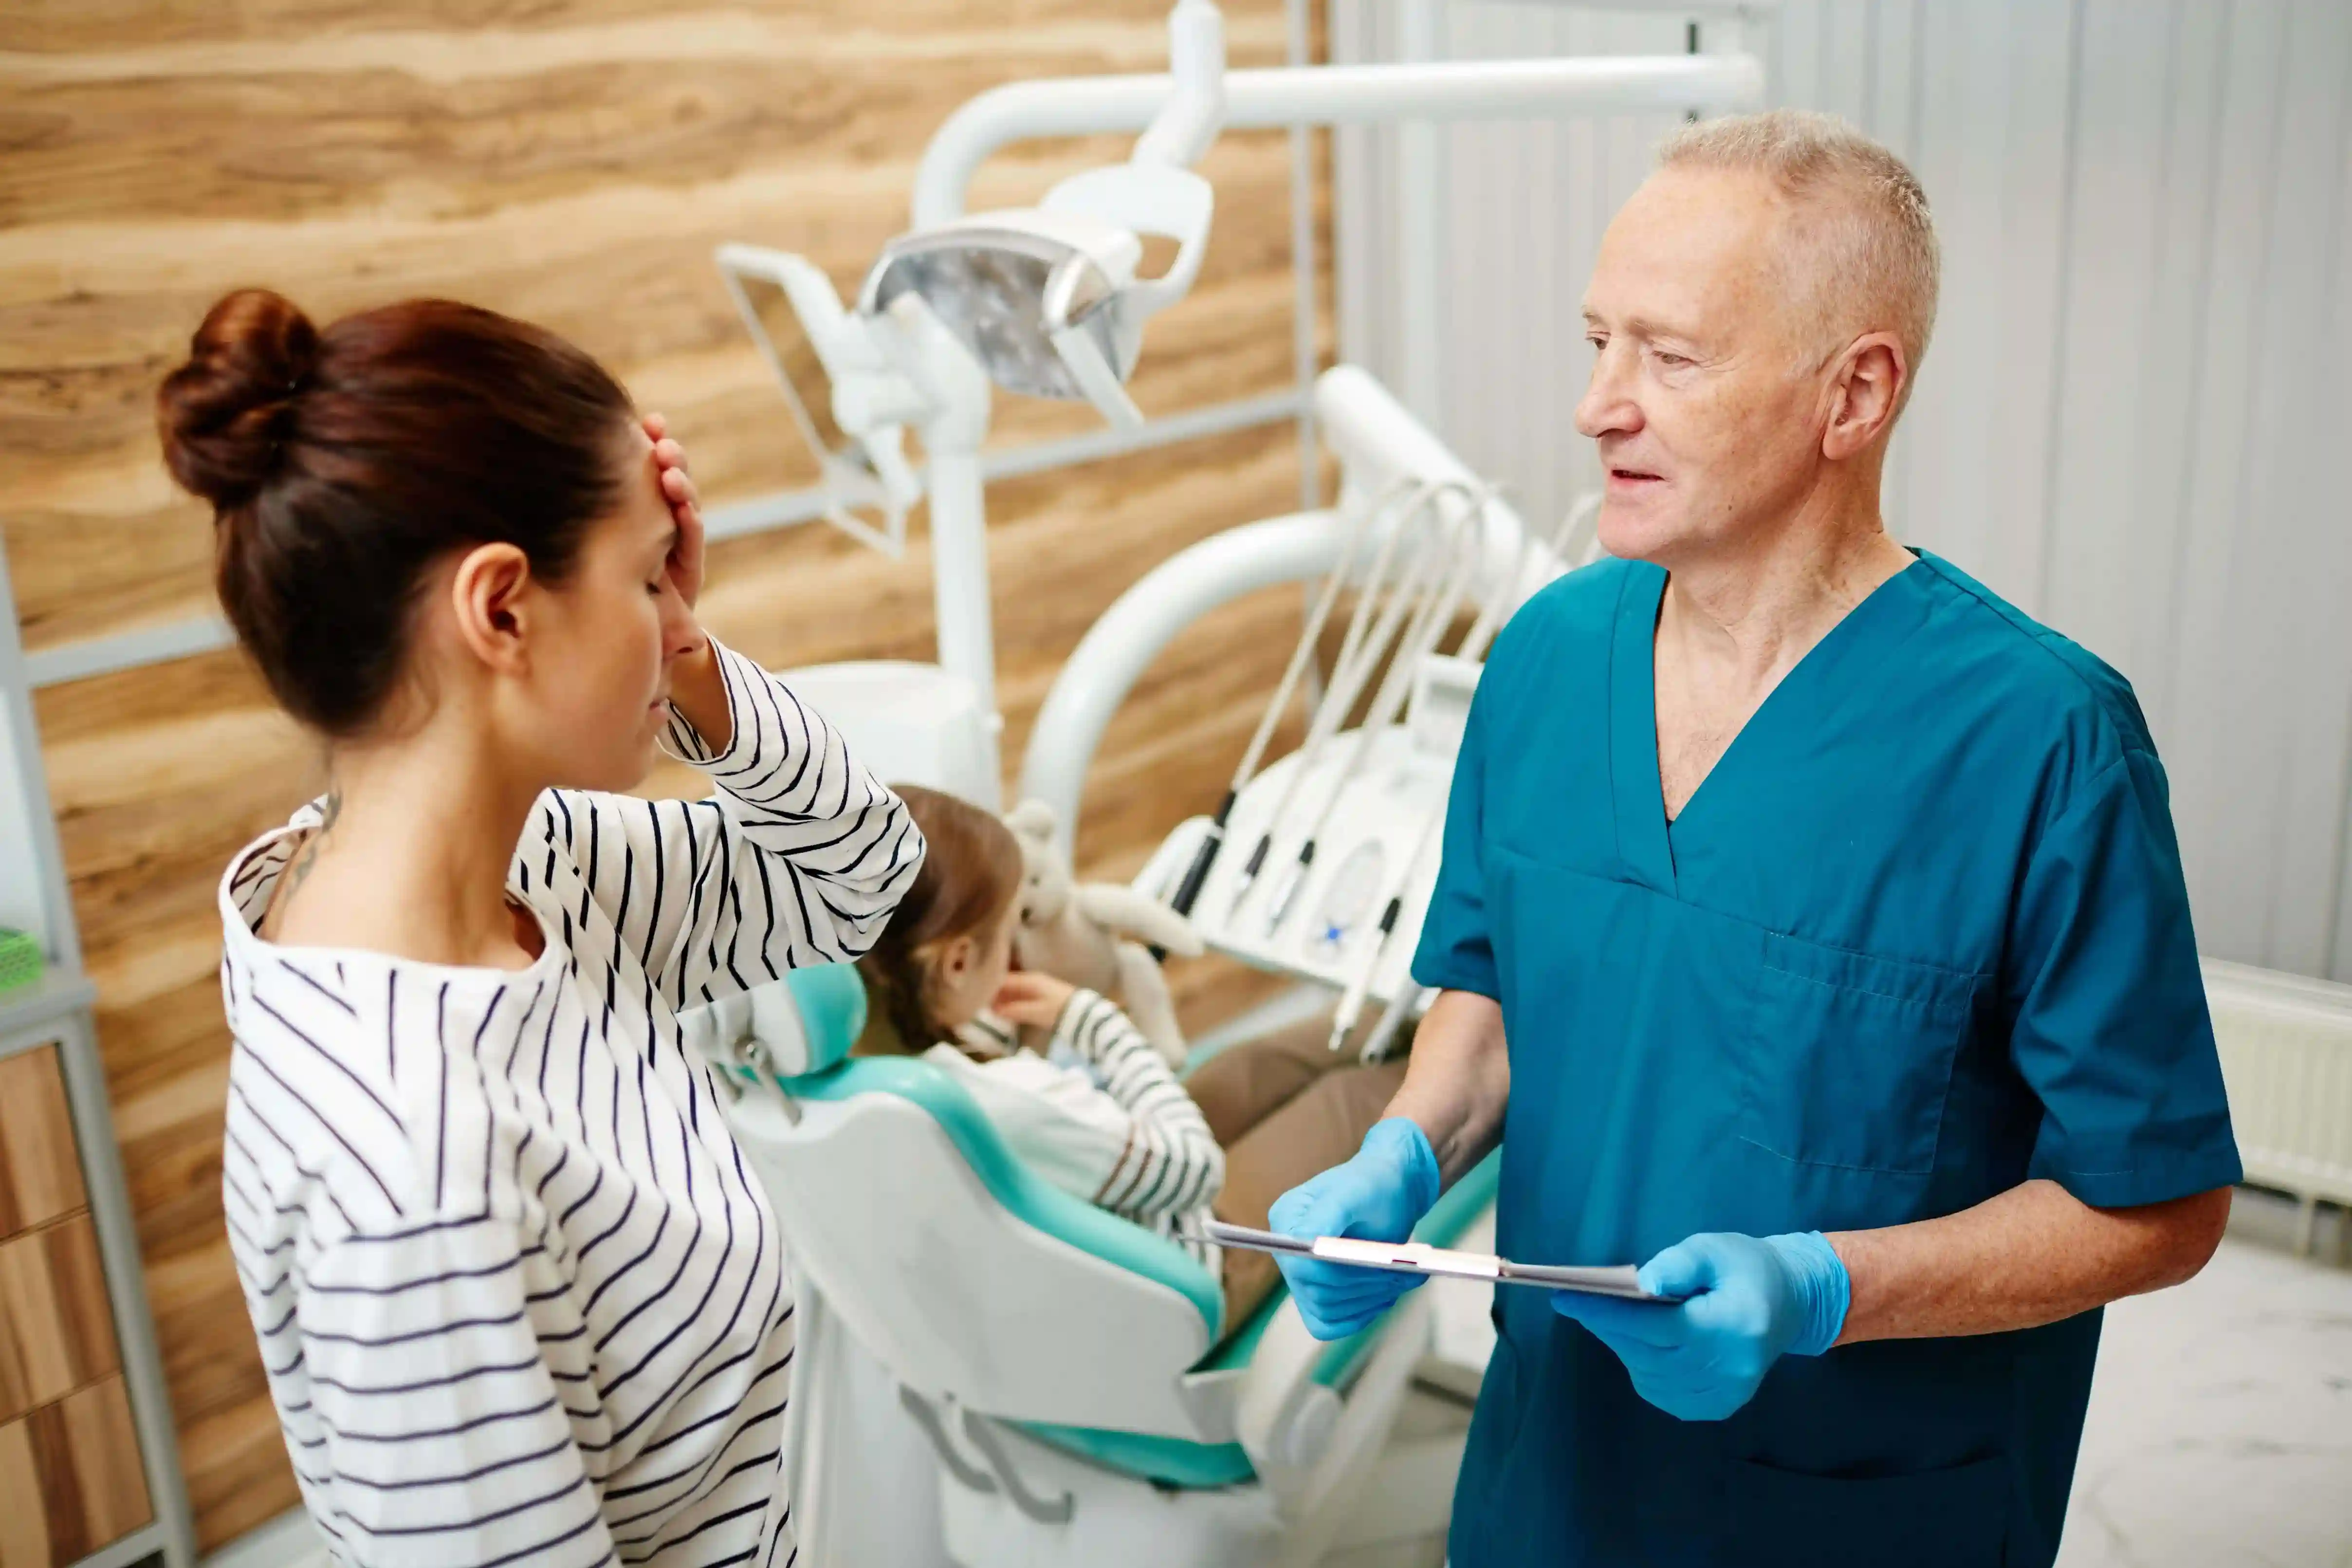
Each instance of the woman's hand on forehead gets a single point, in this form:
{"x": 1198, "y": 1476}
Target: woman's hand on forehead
{"x": 685, "y": 506}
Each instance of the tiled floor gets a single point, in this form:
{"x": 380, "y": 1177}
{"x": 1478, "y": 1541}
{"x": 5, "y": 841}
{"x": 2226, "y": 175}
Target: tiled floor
{"x": 2220, "y": 1425}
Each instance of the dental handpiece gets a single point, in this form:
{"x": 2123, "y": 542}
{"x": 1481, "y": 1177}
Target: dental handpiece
{"x": 1351, "y": 1001}
{"x": 1410, "y": 999}
{"x": 1432, "y": 619}
{"x": 1188, "y": 890}
{"x": 1475, "y": 643}
{"x": 1360, "y": 982}
{"x": 1196, "y": 875}
{"x": 1368, "y": 633}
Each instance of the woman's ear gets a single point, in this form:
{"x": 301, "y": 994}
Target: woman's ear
{"x": 487, "y": 596}
{"x": 956, "y": 958}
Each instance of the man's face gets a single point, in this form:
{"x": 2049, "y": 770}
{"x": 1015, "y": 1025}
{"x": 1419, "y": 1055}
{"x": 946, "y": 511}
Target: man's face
{"x": 1705, "y": 396}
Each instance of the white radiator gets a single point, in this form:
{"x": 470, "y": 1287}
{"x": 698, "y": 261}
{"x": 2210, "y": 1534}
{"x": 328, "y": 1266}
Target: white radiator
{"x": 2286, "y": 1058}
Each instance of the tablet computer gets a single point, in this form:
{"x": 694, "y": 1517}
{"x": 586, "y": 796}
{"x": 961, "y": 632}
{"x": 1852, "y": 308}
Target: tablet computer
{"x": 1419, "y": 1257}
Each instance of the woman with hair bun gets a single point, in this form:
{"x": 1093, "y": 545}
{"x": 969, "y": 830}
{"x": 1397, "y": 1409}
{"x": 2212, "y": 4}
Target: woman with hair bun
{"x": 518, "y": 1297}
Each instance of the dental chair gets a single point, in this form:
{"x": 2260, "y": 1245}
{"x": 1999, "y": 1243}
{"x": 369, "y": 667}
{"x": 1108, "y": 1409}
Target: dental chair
{"x": 1067, "y": 1366}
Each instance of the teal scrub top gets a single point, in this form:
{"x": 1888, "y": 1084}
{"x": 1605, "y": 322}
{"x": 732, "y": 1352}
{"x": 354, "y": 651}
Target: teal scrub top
{"x": 1920, "y": 935}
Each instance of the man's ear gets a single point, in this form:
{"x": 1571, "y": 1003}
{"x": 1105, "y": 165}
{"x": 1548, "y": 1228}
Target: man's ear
{"x": 1865, "y": 392}
{"x": 488, "y": 595}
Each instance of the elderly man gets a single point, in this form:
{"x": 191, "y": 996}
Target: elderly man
{"x": 1811, "y": 926}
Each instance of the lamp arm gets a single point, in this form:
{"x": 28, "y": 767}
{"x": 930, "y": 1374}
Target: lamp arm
{"x": 1183, "y": 129}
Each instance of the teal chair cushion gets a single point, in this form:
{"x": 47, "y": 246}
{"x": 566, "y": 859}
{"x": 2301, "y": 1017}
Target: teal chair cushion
{"x": 831, "y": 1000}
{"x": 1170, "y": 1461}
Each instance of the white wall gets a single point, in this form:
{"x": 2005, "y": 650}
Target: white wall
{"x": 2132, "y": 413}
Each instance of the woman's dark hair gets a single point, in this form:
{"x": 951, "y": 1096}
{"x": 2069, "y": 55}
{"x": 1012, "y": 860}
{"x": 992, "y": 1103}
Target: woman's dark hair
{"x": 341, "y": 464}
{"x": 970, "y": 875}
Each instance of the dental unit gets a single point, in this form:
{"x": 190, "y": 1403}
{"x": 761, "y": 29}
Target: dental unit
{"x": 1045, "y": 1383}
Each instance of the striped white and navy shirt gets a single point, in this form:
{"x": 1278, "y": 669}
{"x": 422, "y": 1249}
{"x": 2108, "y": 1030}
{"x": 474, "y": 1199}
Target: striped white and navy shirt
{"x": 518, "y": 1295}
{"x": 1100, "y": 1117}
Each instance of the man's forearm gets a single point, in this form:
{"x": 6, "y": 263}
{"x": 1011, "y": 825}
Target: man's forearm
{"x": 2033, "y": 1255}
{"x": 1458, "y": 1080}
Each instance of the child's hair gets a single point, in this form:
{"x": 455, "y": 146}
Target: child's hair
{"x": 970, "y": 876}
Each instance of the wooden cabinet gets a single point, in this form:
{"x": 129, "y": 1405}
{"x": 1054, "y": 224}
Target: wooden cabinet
{"x": 40, "y": 1176}
{"x": 76, "y": 1463}
{"x": 73, "y": 1482}
{"x": 55, "y": 1330}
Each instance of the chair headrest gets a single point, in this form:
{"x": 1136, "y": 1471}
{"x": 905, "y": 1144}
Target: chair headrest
{"x": 810, "y": 1021}
{"x": 803, "y": 1024}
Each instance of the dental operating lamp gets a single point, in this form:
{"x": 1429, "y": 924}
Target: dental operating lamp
{"x": 1048, "y": 302}
{"x": 1046, "y": 298}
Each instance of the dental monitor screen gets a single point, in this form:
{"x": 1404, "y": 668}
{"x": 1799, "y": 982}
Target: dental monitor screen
{"x": 776, "y": 325}
{"x": 865, "y": 496}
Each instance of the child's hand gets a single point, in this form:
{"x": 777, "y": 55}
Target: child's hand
{"x": 1029, "y": 998}
{"x": 685, "y": 505}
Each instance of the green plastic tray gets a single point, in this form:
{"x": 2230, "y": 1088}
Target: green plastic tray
{"x": 20, "y": 960}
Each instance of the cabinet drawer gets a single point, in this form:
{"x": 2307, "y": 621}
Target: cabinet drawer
{"x": 76, "y": 1463}
{"x": 40, "y": 1171}
{"x": 57, "y": 1332}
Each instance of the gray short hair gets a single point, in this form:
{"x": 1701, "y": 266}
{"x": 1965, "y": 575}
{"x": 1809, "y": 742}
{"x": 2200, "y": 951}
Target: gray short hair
{"x": 1879, "y": 260}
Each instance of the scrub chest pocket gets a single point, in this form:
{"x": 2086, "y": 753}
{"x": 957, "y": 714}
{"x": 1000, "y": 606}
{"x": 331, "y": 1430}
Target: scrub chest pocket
{"x": 1850, "y": 1056}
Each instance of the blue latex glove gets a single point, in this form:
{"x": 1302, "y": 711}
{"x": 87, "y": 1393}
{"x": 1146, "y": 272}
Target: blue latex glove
{"x": 1379, "y": 1196}
{"x": 1742, "y": 1304}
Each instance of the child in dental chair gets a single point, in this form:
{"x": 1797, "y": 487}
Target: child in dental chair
{"x": 1105, "y": 1119}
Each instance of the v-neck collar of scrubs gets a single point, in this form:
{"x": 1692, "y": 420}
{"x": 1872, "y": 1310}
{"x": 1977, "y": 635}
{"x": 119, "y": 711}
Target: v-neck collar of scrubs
{"x": 1819, "y": 679}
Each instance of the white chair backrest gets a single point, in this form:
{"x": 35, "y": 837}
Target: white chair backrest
{"x": 956, "y": 1295}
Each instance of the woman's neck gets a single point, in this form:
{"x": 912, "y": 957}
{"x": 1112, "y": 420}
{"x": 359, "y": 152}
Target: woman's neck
{"x": 414, "y": 856}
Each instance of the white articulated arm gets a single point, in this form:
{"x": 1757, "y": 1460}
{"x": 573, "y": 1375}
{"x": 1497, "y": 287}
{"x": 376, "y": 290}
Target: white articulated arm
{"x": 1380, "y": 447}
{"x": 1329, "y": 95}
{"x": 1122, "y": 643}
{"x": 1182, "y": 130}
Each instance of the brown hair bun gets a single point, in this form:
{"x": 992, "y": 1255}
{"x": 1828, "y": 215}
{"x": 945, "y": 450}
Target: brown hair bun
{"x": 226, "y": 414}
{"x": 341, "y": 462}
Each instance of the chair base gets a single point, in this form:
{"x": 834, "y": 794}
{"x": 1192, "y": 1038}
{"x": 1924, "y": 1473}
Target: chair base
{"x": 1114, "y": 1519}
{"x": 1117, "y": 1519}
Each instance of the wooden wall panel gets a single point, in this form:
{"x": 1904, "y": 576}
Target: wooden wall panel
{"x": 561, "y": 177}
{"x": 573, "y": 161}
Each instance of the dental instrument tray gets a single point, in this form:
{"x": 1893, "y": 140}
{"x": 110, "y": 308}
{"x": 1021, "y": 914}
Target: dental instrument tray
{"x": 1418, "y": 1258}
